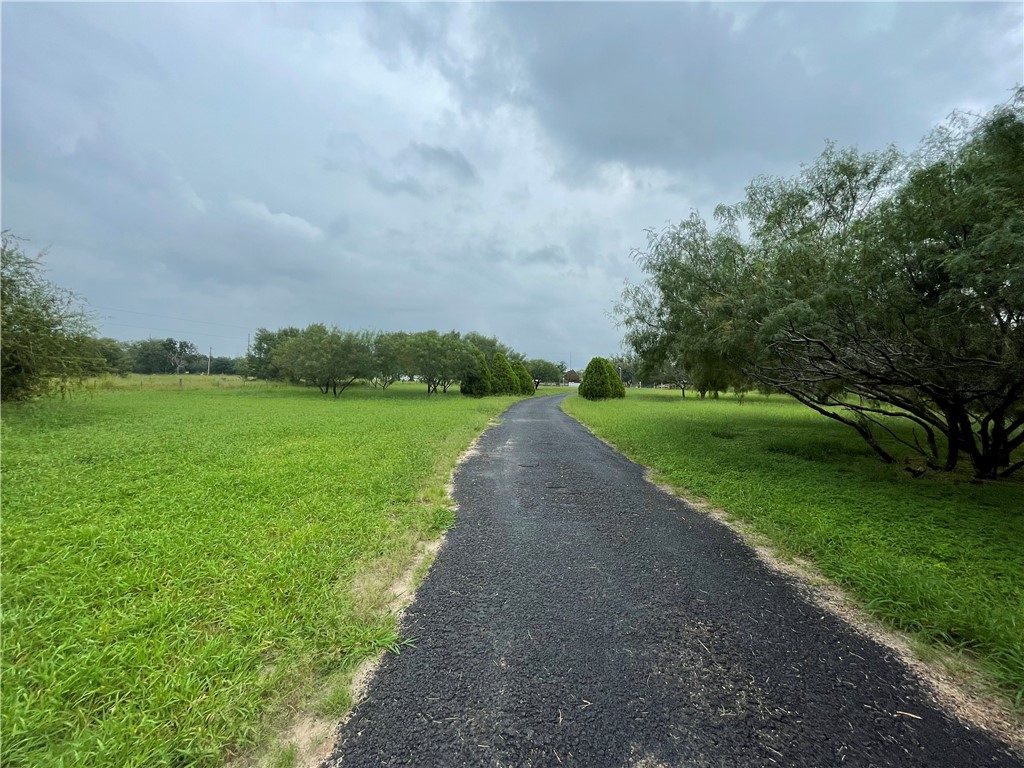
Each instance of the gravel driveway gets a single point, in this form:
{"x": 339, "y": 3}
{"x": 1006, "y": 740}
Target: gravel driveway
{"x": 577, "y": 615}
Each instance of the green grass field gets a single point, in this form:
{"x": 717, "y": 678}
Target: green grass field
{"x": 939, "y": 556}
{"x": 178, "y": 563}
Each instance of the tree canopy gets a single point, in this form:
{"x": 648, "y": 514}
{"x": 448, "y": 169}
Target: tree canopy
{"x": 334, "y": 359}
{"x": 871, "y": 287}
{"x": 545, "y": 370}
{"x": 329, "y": 358}
{"x": 526, "y": 385}
{"x": 259, "y": 363}
{"x": 46, "y": 340}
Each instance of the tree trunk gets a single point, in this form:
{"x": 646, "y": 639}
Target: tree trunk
{"x": 952, "y": 448}
{"x": 994, "y": 454}
{"x": 869, "y": 438}
{"x": 932, "y": 445}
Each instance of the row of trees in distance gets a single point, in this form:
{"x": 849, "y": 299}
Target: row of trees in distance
{"x": 150, "y": 356}
{"x": 48, "y": 344}
{"x": 332, "y": 359}
{"x": 870, "y": 287}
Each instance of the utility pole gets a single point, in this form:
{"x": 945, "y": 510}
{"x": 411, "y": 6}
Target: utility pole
{"x": 209, "y": 360}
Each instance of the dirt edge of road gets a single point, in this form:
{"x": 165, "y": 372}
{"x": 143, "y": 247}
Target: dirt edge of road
{"x": 313, "y": 737}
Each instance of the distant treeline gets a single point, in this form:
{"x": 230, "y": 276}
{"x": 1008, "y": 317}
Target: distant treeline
{"x": 333, "y": 359}
{"x": 48, "y": 344}
{"x": 150, "y": 356}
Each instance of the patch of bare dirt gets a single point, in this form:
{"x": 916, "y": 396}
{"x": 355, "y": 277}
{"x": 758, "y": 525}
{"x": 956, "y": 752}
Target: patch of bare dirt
{"x": 312, "y": 738}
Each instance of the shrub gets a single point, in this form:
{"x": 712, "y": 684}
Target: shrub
{"x": 601, "y": 381}
{"x": 505, "y": 380}
{"x": 618, "y": 388}
{"x": 46, "y": 341}
{"x": 526, "y": 386}
{"x": 477, "y": 380}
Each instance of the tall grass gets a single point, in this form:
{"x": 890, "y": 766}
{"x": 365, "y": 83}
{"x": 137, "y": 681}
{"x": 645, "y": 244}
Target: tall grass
{"x": 177, "y": 564}
{"x": 939, "y": 556}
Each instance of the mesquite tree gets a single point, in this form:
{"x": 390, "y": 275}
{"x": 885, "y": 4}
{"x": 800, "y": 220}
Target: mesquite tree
{"x": 873, "y": 288}
{"x": 389, "y": 356}
{"x": 329, "y": 358}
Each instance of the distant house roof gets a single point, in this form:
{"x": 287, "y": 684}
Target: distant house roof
{"x": 572, "y": 376}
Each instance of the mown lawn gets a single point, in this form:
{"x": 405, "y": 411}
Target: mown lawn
{"x": 938, "y": 556}
{"x": 177, "y": 565}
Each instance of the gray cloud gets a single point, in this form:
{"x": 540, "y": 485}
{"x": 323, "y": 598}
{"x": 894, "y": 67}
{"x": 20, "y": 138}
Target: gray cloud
{"x": 681, "y": 85}
{"x": 419, "y": 169}
{"x": 722, "y": 92}
{"x": 450, "y": 162}
{"x": 349, "y": 153}
{"x": 395, "y": 185}
{"x": 551, "y": 254}
{"x": 470, "y": 166}
{"x": 400, "y": 29}
{"x": 428, "y": 33}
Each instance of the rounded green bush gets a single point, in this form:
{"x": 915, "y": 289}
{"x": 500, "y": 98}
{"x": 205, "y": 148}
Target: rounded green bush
{"x": 477, "y": 380}
{"x": 601, "y": 381}
{"x": 505, "y": 380}
{"x": 525, "y": 379}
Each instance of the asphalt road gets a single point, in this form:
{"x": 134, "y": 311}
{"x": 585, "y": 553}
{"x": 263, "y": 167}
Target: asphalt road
{"x": 577, "y": 615}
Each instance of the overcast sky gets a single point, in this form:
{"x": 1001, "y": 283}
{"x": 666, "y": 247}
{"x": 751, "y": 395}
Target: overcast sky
{"x": 202, "y": 170}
